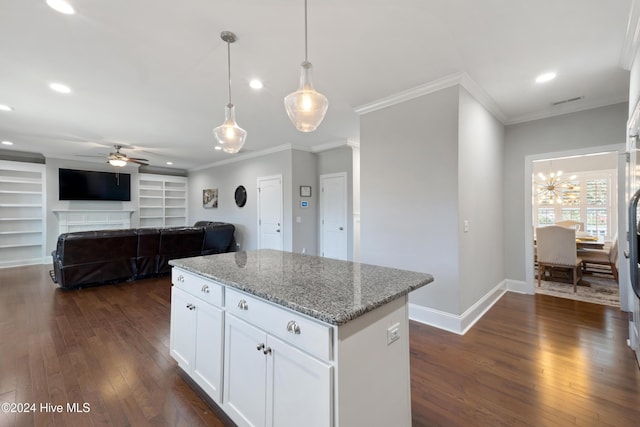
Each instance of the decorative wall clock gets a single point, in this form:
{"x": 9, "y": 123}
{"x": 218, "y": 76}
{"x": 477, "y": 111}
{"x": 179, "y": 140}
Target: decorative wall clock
{"x": 241, "y": 196}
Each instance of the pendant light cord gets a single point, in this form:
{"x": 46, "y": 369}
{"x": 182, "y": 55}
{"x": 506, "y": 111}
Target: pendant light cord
{"x": 229, "y": 67}
{"x": 305, "y": 32}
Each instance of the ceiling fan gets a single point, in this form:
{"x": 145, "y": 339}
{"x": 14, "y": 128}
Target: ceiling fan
{"x": 119, "y": 159}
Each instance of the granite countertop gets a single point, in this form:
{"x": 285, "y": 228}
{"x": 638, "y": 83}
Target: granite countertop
{"x": 330, "y": 290}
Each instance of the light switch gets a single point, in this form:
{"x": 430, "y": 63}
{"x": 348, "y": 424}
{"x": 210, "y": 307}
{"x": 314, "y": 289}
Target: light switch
{"x": 298, "y": 219}
{"x": 466, "y": 225}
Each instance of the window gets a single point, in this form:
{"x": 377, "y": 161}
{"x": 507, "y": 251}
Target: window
{"x": 589, "y": 198}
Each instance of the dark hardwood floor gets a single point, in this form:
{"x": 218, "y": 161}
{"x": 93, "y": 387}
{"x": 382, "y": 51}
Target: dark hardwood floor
{"x": 531, "y": 360}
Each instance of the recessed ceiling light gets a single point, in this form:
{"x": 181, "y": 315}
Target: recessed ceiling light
{"x": 542, "y": 78}
{"x": 7, "y": 143}
{"x": 5, "y": 108}
{"x": 255, "y": 84}
{"x": 61, "y": 6}
{"x": 217, "y": 147}
{"x": 59, "y": 87}
{"x": 169, "y": 163}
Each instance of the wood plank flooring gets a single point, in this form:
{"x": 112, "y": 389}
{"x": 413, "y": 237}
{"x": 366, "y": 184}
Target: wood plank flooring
{"x": 531, "y": 360}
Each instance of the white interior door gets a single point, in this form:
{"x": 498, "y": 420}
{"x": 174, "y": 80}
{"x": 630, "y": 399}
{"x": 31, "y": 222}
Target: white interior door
{"x": 270, "y": 213}
{"x": 333, "y": 215}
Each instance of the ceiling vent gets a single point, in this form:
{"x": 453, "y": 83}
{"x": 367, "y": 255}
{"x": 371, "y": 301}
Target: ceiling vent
{"x": 566, "y": 101}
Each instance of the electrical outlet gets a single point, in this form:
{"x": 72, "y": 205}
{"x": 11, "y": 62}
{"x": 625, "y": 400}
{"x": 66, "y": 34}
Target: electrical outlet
{"x": 393, "y": 333}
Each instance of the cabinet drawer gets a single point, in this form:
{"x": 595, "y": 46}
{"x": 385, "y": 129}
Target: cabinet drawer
{"x": 200, "y": 287}
{"x": 295, "y": 328}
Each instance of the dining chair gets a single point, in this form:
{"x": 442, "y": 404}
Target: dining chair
{"x": 606, "y": 256}
{"x": 556, "y": 248}
{"x": 577, "y": 225}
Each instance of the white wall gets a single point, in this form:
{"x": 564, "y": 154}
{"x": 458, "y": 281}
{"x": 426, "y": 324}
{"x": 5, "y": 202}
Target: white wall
{"x": 53, "y": 202}
{"x": 409, "y": 193}
{"x": 590, "y": 128}
{"x": 480, "y": 199}
{"x": 226, "y": 178}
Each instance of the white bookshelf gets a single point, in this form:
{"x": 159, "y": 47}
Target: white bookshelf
{"x": 22, "y": 225}
{"x": 163, "y": 200}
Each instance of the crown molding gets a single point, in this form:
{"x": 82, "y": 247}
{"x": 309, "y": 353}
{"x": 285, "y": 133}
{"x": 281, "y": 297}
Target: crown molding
{"x": 247, "y": 156}
{"x": 632, "y": 37}
{"x": 461, "y": 79}
{"x": 545, "y": 114}
{"x": 284, "y": 147}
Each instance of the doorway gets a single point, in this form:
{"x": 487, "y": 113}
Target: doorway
{"x": 581, "y": 188}
{"x": 270, "y": 204}
{"x": 333, "y": 215}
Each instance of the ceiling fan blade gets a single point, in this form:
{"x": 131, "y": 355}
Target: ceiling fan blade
{"x": 136, "y": 158}
{"x": 130, "y": 160}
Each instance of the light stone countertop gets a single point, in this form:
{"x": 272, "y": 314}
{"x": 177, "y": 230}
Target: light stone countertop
{"x": 329, "y": 290}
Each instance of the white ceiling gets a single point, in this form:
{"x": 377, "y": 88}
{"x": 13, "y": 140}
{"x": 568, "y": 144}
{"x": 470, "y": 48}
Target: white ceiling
{"x": 151, "y": 74}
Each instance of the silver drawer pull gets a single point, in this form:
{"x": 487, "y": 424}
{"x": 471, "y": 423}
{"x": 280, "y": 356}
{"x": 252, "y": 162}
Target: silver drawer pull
{"x": 191, "y": 306}
{"x": 205, "y": 289}
{"x": 293, "y": 327}
{"x": 180, "y": 278}
{"x": 242, "y": 305}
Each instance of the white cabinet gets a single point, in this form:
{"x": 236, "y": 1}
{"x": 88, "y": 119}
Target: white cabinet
{"x": 196, "y": 332}
{"x": 163, "y": 200}
{"x": 268, "y": 381}
{"x": 21, "y": 213}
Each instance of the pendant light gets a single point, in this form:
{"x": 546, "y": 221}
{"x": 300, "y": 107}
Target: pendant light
{"x": 229, "y": 134}
{"x": 306, "y": 107}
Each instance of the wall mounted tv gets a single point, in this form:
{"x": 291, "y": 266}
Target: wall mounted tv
{"x": 92, "y": 185}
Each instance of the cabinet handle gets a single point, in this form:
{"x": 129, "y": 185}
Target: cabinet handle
{"x": 242, "y": 305}
{"x": 191, "y": 306}
{"x": 180, "y": 278}
{"x": 205, "y": 289}
{"x": 293, "y": 327}
{"x": 267, "y": 350}
{"x": 260, "y": 346}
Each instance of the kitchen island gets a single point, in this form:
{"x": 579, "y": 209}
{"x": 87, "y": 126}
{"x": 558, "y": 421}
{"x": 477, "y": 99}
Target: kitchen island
{"x": 282, "y": 339}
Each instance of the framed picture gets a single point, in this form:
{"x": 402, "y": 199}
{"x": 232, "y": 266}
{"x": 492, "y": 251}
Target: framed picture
{"x": 210, "y": 198}
{"x": 305, "y": 191}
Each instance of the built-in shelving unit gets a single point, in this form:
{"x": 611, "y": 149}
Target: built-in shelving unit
{"x": 22, "y": 225}
{"x": 163, "y": 200}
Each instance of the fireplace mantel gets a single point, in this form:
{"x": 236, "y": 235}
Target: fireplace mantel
{"x": 70, "y": 220}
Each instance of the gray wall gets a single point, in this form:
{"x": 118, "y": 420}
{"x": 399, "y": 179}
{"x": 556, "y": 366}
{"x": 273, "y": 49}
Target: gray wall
{"x": 226, "y": 178}
{"x": 305, "y": 172}
{"x": 409, "y": 193}
{"x": 480, "y": 174}
{"x": 590, "y": 128}
{"x": 335, "y": 161}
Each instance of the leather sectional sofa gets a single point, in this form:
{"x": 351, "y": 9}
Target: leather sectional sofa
{"x": 98, "y": 257}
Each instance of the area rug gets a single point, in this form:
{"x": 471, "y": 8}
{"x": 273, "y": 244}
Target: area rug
{"x": 601, "y": 289}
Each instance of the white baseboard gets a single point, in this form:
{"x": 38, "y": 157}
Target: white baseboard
{"x": 518, "y": 286}
{"x": 458, "y": 324}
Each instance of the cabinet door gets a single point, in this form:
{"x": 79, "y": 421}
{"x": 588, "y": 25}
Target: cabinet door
{"x": 183, "y": 331}
{"x": 244, "y": 397}
{"x": 301, "y": 388}
{"x": 207, "y": 363}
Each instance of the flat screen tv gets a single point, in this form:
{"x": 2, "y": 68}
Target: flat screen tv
{"x": 92, "y": 185}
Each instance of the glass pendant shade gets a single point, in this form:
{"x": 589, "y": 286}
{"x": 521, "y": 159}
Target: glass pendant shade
{"x": 229, "y": 134}
{"x": 306, "y": 107}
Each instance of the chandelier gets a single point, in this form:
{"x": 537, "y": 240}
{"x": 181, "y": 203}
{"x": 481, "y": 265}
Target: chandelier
{"x": 553, "y": 188}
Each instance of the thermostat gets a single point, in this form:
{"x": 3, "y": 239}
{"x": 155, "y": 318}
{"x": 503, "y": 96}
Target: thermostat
{"x": 304, "y": 204}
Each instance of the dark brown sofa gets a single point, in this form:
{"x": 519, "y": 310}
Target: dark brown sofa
{"x": 98, "y": 257}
